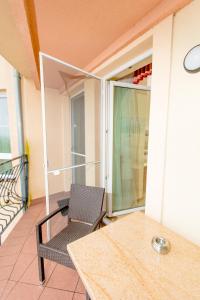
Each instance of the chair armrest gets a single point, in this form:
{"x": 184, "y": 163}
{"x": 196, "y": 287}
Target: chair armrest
{"x": 52, "y": 214}
{"x": 62, "y": 203}
{"x": 98, "y": 220}
{"x": 44, "y": 220}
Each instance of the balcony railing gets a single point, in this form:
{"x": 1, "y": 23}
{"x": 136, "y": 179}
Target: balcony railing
{"x": 13, "y": 189}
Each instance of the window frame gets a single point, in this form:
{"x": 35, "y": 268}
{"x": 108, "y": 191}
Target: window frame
{"x": 7, "y": 155}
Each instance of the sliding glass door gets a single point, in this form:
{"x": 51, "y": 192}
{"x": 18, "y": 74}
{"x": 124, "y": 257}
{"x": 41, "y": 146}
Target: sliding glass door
{"x": 129, "y": 138}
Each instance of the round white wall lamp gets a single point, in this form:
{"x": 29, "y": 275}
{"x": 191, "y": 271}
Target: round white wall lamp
{"x": 191, "y": 61}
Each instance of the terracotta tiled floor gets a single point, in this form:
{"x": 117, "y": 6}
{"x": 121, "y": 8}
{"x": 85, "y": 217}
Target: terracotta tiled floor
{"x": 19, "y": 270}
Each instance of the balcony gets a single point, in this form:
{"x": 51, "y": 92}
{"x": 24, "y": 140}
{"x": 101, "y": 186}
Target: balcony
{"x": 18, "y": 264}
{"x": 13, "y": 192}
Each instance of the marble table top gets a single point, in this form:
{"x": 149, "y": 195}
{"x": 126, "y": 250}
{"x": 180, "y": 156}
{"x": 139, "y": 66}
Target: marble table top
{"x": 118, "y": 262}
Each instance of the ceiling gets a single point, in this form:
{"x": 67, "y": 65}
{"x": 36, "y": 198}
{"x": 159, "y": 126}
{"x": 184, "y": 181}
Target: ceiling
{"x": 81, "y": 32}
{"x": 77, "y": 31}
{"x": 59, "y": 76}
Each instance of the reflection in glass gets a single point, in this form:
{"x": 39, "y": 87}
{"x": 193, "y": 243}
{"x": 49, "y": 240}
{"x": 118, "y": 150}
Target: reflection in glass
{"x": 4, "y": 125}
{"x": 130, "y": 140}
{"x": 78, "y": 137}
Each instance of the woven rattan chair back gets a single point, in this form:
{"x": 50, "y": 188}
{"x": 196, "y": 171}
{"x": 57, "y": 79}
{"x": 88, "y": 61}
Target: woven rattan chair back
{"x": 85, "y": 203}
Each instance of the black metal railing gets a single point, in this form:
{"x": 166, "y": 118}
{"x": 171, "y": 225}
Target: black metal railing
{"x": 13, "y": 189}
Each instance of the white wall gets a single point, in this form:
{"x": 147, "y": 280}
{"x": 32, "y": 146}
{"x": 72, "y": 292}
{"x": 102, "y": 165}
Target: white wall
{"x": 181, "y": 202}
{"x": 162, "y": 37}
{"x": 174, "y": 154}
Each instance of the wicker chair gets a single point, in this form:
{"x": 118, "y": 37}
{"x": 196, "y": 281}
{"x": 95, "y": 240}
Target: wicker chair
{"x": 85, "y": 209}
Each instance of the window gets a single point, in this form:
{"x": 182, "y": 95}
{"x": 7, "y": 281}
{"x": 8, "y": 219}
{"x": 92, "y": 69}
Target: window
{"x": 5, "y": 148}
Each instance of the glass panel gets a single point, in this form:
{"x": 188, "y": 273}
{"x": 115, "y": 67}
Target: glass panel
{"x": 78, "y": 137}
{"x": 4, "y": 126}
{"x": 130, "y": 142}
{"x": 59, "y": 191}
{"x": 72, "y": 116}
{"x": 72, "y": 107}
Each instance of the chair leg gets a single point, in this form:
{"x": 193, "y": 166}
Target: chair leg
{"x": 87, "y": 296}
{"x": 41, "y": 269}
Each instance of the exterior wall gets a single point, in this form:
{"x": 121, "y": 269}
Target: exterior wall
{"x": 181, "y": 205}
{"x": 174, "y": 161}
{"x": 162, "y": 35}
{"x": 58, "y": 119}
{"x": 32, "y": 118}
{"x": 7, "y": 86}
{"x": 56, "y": 124}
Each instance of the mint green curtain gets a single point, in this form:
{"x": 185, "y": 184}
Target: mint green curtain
{"x": 130, "y": 122}
{"x": 4, "y": 126}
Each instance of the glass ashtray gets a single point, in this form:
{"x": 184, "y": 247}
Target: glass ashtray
{"x": 160, "y": 244}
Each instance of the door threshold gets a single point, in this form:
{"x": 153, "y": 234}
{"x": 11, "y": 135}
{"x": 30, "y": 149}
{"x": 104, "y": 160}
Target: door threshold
{"x": 116, "y": 215}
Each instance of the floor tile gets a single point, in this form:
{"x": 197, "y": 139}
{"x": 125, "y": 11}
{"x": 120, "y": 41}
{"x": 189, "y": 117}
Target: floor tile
{"x": 8, "y": 260}
{"x": 34, "y": 211}
{"x": 5, "y": 272}
{"x": 2, "y": 286}
{"x": 24, "y": 225}
{"x": 30, "y": 246}
{"x": 80, "y": 287}
{"x": 79, "y": 297}
{"x": 10, "y": 250}
{"x": 63, "y": 278}
{"x": 26, "y": 219}
{"x": 31, "y": 275}
{"x": 54, "y": 294}
{"x": 11, "y": 241}
{"x": 24, "y": 291}
{"x": 22, "y": 263}
{"x": 19, "y": 233}
{"x": 7, "y": 289}
{"x": 19, "y": 278}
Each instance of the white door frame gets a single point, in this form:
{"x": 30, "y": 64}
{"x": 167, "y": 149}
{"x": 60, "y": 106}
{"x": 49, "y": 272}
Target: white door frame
{"x": 148, "y": 53}
{"x": 57, "y": 171}
{"x": 107, "y": 117}
{"x": 104, "y": 117}
{"x": 111, "y": 85}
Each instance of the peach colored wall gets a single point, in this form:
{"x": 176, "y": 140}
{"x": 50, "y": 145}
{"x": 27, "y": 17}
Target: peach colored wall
{"x": 56, "y": 137}
{"x": 58, "y": 119}
{"x": 32, "y": 118}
